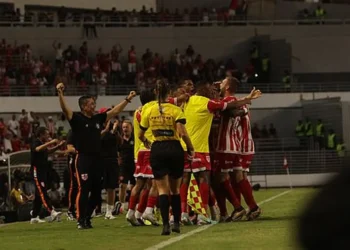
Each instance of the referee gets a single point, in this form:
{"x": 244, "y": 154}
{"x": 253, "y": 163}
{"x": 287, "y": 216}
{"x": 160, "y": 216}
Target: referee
{"x": 167, "y": 123}
{"x": 86, "y": 127}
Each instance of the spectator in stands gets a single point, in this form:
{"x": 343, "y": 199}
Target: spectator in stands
{"x": 24, "y": 127}
{"x": 17, "y": 196}
{"x": 256, "y": 133}
{"x": 255, "y": 55}
{"x": 7, "y": 143}
{"x": 58, "y": 53}
{"x": 189, "y": 54}
{"x": 320, "y": 13}
{"x": 264, "y": 74}
{"x": 83, "y": 52}
{"x": 16, "y": 143}
{"x": 272, "y": 131}
{"x": 62, "y": 125}
{"x": 132, "y": 67}
{"x": 3, "y": 129}
{"x": 51, "y": 126}
{"x": 13, "y": 125}
{"x": 22, "y": 115}
{"x": 264, "y": 132}
{"x": 35, "y": 123}
{"x": 147, "y": 58}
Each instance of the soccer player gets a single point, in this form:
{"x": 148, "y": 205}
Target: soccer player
{"x": 166, "y": 121}
{"x": 40, "y": 150}
{"x": 199, "y": 111}
{"x": 126, "y": 162}
{"x": 143, "y": 171}
{"x": 110, "y": 139}
{"x": 240, "y": 180}
{"x": 228, "y": 151}
{"x": 86, "y": 127}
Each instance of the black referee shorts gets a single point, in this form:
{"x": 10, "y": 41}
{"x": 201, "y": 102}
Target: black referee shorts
{"x": 110, "y": 173}
{"x": 127, "y": 174}
{"x": 167, "y": 158}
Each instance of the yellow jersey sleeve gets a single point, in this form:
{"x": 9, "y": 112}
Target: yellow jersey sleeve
{"x": 179, "y": 116}
{"x": 144, "y": 124}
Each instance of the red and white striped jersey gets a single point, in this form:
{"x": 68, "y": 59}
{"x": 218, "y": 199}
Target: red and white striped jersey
{"x": 229, "y": 139}
{"x": 247, "y": 146}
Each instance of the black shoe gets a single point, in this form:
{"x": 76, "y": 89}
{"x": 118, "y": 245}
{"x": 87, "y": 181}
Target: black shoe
{"x": 81, "y": 226}
{"x": 88, "y": 224}
{"x": 176, "y": 227}
{"x": 141, "y": 222}
{"x": 117, "y": 207}
{"x": 166, "y": 229}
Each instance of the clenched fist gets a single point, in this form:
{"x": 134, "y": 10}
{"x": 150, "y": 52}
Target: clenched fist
{"x": 60, "y": 88}
{"x": 132, "y": 95}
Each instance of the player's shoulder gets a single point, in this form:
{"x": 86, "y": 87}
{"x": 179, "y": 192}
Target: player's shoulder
{"x": 148, "y": 105}
{"x": 230, "y": 99}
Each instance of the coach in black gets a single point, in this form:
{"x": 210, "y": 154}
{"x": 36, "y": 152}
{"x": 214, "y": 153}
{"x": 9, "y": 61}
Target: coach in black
{"x": 86, "y": 127}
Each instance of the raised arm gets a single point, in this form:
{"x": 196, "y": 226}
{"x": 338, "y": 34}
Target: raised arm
{"x": 66, "y": 110}
{"x": 52, "y": 150}
{"x": 46, "y": 145}
{"x": 120, "y": 107}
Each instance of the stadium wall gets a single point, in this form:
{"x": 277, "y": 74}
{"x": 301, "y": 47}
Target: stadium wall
{"x": 103, "y": 4}
{"x": 313, "y": 46}
{"x": 297, "y": 180}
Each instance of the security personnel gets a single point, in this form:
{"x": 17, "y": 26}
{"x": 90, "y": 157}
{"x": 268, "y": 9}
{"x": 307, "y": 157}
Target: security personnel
{"x": 86, "y": 127}
{"x": 309, "y": 130}
{"x": 331, "y": 140}
{"x": 166, "y": 121}
{"x": 300, "y": 133}
{"x": 265, "y": 69}
{"x": 341, "y": 149}
{"x": 254, "y": 55}
{"x": 320, "y": 13}
{"x": 320, "y": 134}
{"x": 286, "y": 81}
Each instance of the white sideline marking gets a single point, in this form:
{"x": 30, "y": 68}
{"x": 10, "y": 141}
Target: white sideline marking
{"x": 200, "y": 229}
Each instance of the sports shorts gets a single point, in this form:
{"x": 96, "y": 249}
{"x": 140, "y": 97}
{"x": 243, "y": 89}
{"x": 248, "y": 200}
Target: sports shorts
{"x": 167, "y": 158}
{"x": 246, "y": 161}
{"x": 127, "y": 174}
{"x": 110, "y": 173}
{"x": 200, "y": 162}
{"x": 143, "y": 165}
{"x": 226, "y": 162}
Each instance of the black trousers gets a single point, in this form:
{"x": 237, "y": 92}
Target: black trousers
{"x": 88, "y": 174}
{"x": 41, "y": 197}
{"x": 73, "y": 185}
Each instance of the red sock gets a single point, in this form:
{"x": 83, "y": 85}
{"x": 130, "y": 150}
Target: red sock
{"x": 247, "y": 193}
{"x": 236, "y": 189}
{"x": 143, "y": 201}
{"x": 204, "y": 189}
{"x": 221, "y": 199}
{"x": 183, "y": 195}
{"x": 212, "y": 199}
{"x": 230, "y": 195}
{"x": 133, "y": 201}
{"x": 152, "y": 201}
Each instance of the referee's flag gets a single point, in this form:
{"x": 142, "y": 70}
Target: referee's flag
{"x": 194, "y": 198}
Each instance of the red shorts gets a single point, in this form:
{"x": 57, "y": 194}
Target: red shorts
{"x": 200, "y": 162}
{"x": 226, "y": 162}
{"x": 143, "y": 166}
{"x": 246, "y": 161}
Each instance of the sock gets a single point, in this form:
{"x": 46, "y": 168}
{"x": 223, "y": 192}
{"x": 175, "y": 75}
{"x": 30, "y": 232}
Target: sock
{"x": 247, "y": 193}
{"x": 176, "y": 206}
{"x": 236, "y": 189}
{"x": 183, "y": 195}
{"x": 130, "y": 213}
{"x": 143, "y": 201}
{"x": 230, "y": 195}
{"x": 138, "y": 214}
{"x": 125, "y": 206}
{"x": 133, "y": 202}
{"x": 164, "y": 208}
{"x": 220, "y": 197}
{"x": 212, "y": 199}
{"x": 151, "y": 203}
{"x": 204, "y": 189}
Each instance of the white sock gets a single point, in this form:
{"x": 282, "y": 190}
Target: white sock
{"x": 125, "y": 206}
{"x": 138, "y": 214}
{"x": 149, "y": 210}
{"x": 130, "y": 213}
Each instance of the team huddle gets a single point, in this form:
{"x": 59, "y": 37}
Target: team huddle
{"x": 204, "y": 131}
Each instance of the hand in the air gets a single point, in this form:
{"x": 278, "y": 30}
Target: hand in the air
{"x": 60, "y": 88}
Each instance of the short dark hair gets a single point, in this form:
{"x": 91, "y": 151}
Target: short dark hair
{"x": 40, "y": 131}
{"x": 233, "y": 83}
{"x": 147, "y": 95}
{"x": 82, "y": 100}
